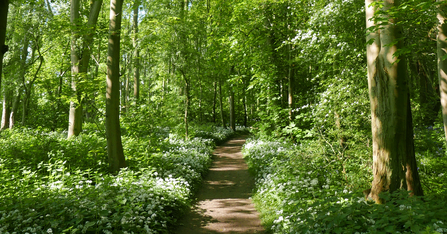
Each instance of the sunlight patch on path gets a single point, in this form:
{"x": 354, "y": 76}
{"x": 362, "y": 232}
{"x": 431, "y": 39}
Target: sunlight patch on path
{"x": 223, "y": 203}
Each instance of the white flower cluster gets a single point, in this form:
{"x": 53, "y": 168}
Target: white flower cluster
{"x": 140, "y": 201}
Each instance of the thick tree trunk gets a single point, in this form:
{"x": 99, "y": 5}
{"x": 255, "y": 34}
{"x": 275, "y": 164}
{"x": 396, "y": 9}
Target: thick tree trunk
{"x": 114, "y": 145}
{"x": 4, "y": 4}
{"x": 136, "y": 62}
{"x": 393, "y": 159}
{"x": 80, "y": 62}
{"x": 442, "y": 61}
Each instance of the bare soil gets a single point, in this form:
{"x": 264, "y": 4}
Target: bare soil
{"x": 223, "y": 203}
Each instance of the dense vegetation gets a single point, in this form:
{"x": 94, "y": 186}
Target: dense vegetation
{"x": 54, "y": 185}
{"x": 295, "y": 72}
{"x": 308, "y": 188}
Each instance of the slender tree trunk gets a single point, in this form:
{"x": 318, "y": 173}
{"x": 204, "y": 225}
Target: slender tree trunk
{"x": 214, "y": 100}
{"x": 244, "y": 103}
{"x": 80, "y": 63}
{"x": 442, "y": 61}
{"x": 187, "y": 103}
{"x": 393, "y": 159}
{"x": 74, "y": 121}
{"x": 14, "y": 109}
{"x": 136, "y": 74}
{"x": 232, "y": 114}
{"x": 290, "y": 86}
{"x": 25, "y": 105}
{"x": 4, "y": 4}
{"x": 114, "y": 145}
{"x": 221, "y": 104}
{"x": 28, "y": 88}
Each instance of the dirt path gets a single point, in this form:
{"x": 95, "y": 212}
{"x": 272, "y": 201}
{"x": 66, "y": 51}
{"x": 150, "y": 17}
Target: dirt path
{"x": 223, "y": 203}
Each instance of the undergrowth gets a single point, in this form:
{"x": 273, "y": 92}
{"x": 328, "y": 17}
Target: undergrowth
{"x": 50, "y": 184}
{"x": 307, "y": 188}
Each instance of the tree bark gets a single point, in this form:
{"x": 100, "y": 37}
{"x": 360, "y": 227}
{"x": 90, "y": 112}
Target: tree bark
{"x": 14, "y": 109}
{"x": 232, "y": 114}
{"x": 6, "y": 109}
{"x": 80, "y": 62}
{"x": 442, "y": 62}
{"x": 74, "y": 120}
{"x": 187, "y": 103}
{"x": 214, "y": 100}
{"x": 4, "y": 4}
{"x": 393, "y": 160}
{"x": 290, "y": 86}
{"x": 114, "y": 145}
{"x": 222, "y": 116}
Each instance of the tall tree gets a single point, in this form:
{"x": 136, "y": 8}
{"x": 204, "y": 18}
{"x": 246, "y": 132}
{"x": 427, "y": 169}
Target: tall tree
{"x": 394, "y": 164}
{"x": 80, "y": 57}
{"x": 4, "y": 4}
{"x": 136, "y": 56}
{"x": 442, "y": 62}
{"x": 114, "y": 145}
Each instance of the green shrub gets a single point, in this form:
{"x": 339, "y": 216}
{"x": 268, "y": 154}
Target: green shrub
{"x": 305, "y": 189}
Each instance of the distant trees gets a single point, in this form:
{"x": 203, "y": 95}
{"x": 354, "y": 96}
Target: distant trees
{"x": 289, "y": 69}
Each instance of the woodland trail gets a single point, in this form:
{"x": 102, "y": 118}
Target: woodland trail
{"x": 223, "y": 203}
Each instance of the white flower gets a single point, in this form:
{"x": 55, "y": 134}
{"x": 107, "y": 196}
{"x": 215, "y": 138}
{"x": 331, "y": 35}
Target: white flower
{"x": 49, "y": 230}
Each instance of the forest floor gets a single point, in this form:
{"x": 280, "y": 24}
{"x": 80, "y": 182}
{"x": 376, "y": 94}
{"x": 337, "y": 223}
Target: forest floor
{"x": 223, "y": 202}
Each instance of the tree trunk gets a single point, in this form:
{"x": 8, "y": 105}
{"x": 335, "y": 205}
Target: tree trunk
{"x": 6, "y": 109}
{"x": 114, "y": 145}
{"x": 221, "y": 104}
{"x": 232, "y": 114}
{"x": 25, "y": 105}
{"x": 290, "y": 86}
{"x": 442, "y": 62}
{"x": 187, "y": 102}
{"x": 4, "y": 4}
{"x": 393, "y": 159}
{"x": 28, "y": 88}
{"x": 15, "y": 107}
{"x": 74, "y": 121}
{"x": 214, "y": 100}
{"x": 136, "y": 74}
{"x": 80, "y": 62}
{"x": 244, "y": 103}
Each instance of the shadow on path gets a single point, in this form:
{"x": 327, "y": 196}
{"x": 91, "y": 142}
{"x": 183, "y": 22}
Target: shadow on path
{"x": 223, "y": 204}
